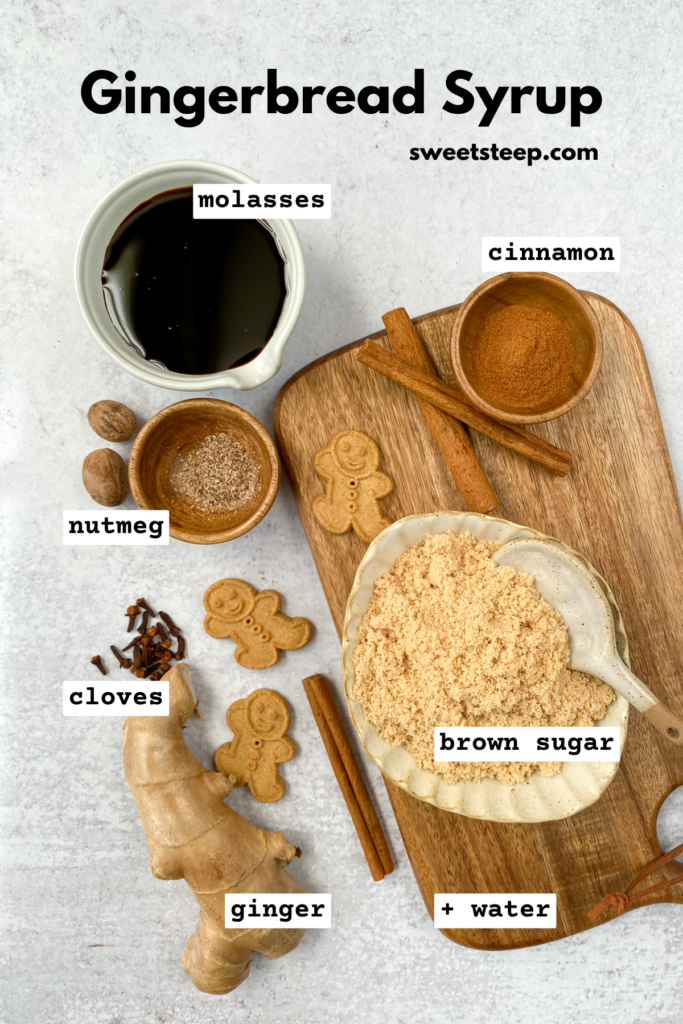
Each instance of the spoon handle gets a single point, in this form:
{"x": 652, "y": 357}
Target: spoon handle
{"x": 666, "y": 722}
{"x": 612, "y": 670}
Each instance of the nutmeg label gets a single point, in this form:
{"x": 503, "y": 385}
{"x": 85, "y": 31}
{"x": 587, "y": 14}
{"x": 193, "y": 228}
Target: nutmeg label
{"x": 92, "y": 527}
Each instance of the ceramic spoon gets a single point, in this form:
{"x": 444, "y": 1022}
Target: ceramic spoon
{"x": 568, "y": 586}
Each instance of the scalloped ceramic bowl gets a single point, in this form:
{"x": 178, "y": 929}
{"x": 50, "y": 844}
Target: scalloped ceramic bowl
{"x": 534, "y": 799}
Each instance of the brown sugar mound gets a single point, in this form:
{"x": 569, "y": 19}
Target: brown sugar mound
{"x": 451, "y": 638}
{"x": 523, "y": 356}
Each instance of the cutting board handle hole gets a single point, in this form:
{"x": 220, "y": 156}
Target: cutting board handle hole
{"x": 670, "y": 821}
{"x": 673, "y": 733}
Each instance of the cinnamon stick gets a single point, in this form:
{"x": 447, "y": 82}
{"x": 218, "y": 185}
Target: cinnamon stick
{"x": 456, "y": 404}
{"x": 349, "y": 778}
{"x": 450, "y": 434}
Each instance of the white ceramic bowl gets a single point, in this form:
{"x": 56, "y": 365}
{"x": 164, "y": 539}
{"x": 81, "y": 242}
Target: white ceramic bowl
{"x": 97, "y": 234}
{"x": 536, "y": 798}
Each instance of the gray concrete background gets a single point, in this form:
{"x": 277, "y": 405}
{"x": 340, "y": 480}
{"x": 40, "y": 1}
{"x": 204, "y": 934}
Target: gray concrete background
{"x": 88, "y": 935}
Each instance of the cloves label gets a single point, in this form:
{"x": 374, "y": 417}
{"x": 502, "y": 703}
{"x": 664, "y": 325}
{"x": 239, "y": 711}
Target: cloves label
{"x": 107, "y": 699}
{"x": 92, "y": 527}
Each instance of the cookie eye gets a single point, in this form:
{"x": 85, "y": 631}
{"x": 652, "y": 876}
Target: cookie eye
{"x": 361, "y": 453}
{"x": 346, "y": 447}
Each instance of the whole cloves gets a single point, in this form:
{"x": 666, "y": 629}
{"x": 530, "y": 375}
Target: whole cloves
{"x": 97, "y": 661}
{"x": 123, "y": 662}
{"x": 152, "y": 654}
{"x": 172, "y": 628}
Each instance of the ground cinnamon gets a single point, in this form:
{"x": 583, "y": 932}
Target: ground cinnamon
{"x": 523, "y": 356}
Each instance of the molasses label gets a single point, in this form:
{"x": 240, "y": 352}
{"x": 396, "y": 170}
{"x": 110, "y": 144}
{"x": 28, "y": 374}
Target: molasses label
{"x": 272, "y": 202}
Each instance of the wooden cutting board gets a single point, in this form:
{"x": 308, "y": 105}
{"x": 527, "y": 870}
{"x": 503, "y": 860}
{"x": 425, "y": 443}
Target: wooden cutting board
{"x": 619, "y": 507}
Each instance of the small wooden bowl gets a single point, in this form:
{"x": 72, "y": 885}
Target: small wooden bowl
{"x": 543, "y": 291}
{"x": 176, "y": 430}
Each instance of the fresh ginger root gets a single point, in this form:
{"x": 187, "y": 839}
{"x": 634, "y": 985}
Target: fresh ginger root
{"x": 193, "y": 834}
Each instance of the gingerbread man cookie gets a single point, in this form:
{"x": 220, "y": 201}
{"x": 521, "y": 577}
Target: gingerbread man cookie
{"x": 259, "y": 723}
{"x": 254, "y": 621}
{"x": 350, "y": 464}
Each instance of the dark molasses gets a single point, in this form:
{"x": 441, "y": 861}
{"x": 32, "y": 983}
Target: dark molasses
{"x": 198, "y": 296}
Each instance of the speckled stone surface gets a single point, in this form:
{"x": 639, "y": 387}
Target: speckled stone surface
{"x": 88, "y": 935}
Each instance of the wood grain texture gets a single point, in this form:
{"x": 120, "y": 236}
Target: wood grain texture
{"x": 432, "y": 389}
{"x": 620, "y": 508}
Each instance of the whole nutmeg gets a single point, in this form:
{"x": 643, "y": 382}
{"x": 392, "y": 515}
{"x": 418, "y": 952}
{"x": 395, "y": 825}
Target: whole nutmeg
{"x": 105, "y": 477}
{"x": 113, "y": 421}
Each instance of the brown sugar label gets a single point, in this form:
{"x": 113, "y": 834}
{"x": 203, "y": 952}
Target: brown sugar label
{"x": 259, "y": 723}
{"x": 254, "y": 621}
{"x": 355, "y": 485}
{"x": 529, "y": 743}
